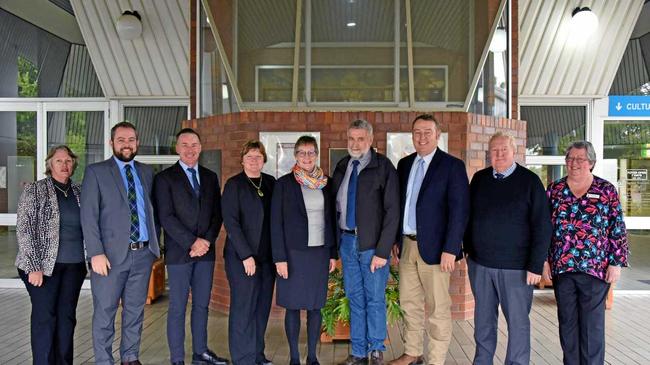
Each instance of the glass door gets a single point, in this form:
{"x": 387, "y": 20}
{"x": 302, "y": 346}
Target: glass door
{"x": 626, "y": 153}
{"x": 28, "y": 129}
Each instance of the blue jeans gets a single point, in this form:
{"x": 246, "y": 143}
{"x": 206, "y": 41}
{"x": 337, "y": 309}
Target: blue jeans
{"x": 366, "y": 292}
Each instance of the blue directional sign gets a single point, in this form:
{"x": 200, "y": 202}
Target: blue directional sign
{"x": 629, "y": 106}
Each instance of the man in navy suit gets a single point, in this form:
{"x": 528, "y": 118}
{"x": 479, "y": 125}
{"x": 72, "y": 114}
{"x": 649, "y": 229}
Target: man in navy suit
{"x": 188, "y": 204}
{"x": 434, "y": 192}
{"x": 120, "y": 237}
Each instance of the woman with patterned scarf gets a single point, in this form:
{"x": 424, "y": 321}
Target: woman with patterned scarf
{"x": 303, "y": 245}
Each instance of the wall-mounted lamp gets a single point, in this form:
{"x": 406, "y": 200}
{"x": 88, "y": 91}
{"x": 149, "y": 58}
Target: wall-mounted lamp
{"x": 583, "y": 22}
{"x": 129, "y": 25}
{"x": 499, "y": 41}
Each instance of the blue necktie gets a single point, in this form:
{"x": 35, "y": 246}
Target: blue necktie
{"x": 415, "y": 191}
{"x": 195, "y": 182}
{"x": 499, "y": 176}
{"x": 351, "y": 211}
{"x": 133, "y": 204}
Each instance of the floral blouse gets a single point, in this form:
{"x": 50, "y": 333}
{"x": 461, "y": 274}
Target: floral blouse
{"x": 588, "y": 232}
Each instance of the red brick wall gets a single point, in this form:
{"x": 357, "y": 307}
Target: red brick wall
{"x": 468, "y": 137}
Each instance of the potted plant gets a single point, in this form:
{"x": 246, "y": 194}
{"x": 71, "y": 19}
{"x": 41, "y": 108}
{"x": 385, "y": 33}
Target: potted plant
{"x": 336, "y": 312}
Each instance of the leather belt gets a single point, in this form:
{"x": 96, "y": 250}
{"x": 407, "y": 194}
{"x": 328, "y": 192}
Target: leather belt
{"x": 350, "y": 231}
{"x": 412, "y": 237}
{"x": 134, "y": 246}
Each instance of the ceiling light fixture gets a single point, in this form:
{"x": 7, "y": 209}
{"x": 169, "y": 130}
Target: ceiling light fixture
{"x": 129, "y": 25}
{"x": 499, "y": 40}
{"x": 583, "y": 22}
{"x": 351, "y": 24}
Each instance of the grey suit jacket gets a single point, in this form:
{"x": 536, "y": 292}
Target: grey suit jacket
{"x": 105, "y": 215}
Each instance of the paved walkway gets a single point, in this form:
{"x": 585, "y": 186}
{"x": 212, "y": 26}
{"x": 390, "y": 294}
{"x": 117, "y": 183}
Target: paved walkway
{"x": 627, "y": 334}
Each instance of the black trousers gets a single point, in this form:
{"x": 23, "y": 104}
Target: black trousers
{"x": 581, "y": 313}
{"x": 250, "y": 306}
{"x": 54, "y": 307}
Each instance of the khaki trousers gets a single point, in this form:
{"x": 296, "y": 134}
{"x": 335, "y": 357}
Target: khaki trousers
{"x": 423, "y": 285}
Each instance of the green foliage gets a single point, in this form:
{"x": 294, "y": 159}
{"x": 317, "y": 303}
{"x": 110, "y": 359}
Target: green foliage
{"x": 26, "y": 121}
{"x": 337, "y": 306}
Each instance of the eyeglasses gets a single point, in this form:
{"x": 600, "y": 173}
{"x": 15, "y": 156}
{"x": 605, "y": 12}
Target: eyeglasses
{"x": 306, "y": 153}
{"x": 577, "y": 160}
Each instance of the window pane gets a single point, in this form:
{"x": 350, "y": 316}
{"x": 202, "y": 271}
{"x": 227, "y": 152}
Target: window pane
{"x": 548, "y": 173}
{"x": 265, "y": 36}
{"x": 157, "y": 127}
{"x": 216, "y": 93}
{"x": 551, "y": 129}
{"x": 36, "y": 63}
{"x": 491, "y": 94}
{"x": 82, "y": 131}
{"x": 275, "y": 83}
{"x": 17, "y": 156}
{"x": 353, "y": 51}
{"x": 441, "y": 37}
{"x": 8, "y": 251}
{"x": 627, "y": 161}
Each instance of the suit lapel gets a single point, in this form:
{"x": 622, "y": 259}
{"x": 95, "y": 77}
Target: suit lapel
{"x": 117, "y": 178}
{"x": 180, "y": 174}
{"x": 431, "y": 171}
{"x": 298, "y": 195}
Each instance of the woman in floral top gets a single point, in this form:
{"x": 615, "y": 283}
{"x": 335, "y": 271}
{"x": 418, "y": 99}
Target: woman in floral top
{"x": 588, "y": 249}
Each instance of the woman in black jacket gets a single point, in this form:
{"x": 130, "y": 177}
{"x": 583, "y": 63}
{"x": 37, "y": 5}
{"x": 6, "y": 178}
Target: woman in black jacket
{"x": 304, "y": 248}
{"x": 50, "y": 256}
{"x": 246, "y": 205}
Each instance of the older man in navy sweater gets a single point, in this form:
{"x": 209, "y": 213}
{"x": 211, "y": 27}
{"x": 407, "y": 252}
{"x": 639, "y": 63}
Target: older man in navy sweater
{"x": 507, "y": 240}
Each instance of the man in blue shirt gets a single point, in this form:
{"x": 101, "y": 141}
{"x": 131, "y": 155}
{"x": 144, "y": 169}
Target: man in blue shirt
{"x": 120, "y": 236}
{"x": 188, "y": 205}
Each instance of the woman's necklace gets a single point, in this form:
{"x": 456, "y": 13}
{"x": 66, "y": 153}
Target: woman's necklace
{"x": 65, "y": 192}
{"x": 258, "y": 188}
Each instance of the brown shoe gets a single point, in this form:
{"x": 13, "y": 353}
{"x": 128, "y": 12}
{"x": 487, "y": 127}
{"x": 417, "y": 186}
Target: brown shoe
{"x": 353, "y": 360}
{"x": 407, "y": 359}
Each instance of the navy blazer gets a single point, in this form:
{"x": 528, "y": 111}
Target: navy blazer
{"x": 442, "y": 209}
{"x": 243, "y": 214}
{"x": 183, "y": 217}
{"x": 289, "y": 225}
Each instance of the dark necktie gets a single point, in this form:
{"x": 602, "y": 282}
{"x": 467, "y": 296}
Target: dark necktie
{"x": 133, "y": 204}
{"x": 195, "y": 182}
{"x": 499, "y": 176}
{"x": 351, "y": 211}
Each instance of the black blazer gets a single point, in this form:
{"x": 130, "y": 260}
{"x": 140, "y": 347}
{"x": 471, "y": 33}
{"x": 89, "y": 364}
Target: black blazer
{"x": 442, "y": 209}
{"x": 243, "y": 214}
{"x": 377, "y": 203}
{"x": 183, "y": 217}
{"x": 289, "y": 225}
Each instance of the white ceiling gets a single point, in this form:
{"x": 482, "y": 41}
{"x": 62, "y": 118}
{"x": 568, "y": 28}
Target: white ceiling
{"x": 153, "y": 65}
{"x": 551, "y": 65}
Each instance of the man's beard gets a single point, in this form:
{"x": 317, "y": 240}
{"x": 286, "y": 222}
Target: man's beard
{"x": 120, "y": 156}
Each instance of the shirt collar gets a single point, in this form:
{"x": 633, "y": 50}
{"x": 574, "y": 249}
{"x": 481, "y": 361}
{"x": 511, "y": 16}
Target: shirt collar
{"x": 121, "y": 163}
{"x": 507, "y": 172}
{"x": 427, "y": 158}
{"x": 185, "y": 166}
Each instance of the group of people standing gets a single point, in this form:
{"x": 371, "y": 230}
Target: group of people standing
{"x": 289, "y": 233}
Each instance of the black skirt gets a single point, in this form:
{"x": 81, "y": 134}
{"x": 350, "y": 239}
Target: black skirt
{"x": 306, "y": 286}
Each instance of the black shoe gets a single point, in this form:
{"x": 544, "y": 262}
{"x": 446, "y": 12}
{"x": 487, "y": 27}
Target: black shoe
{"x": 312, "y": 362}
{"x": 376, "y": 358}
{"x": 208, "y": 358}
{"x": 264, "y": 362}
{"x": 353, "y": 360}
{"x": 135, "y": 362}
{"x": 178, "y": 363}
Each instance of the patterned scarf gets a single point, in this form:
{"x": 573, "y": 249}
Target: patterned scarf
{"x": 314, "y": 180}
